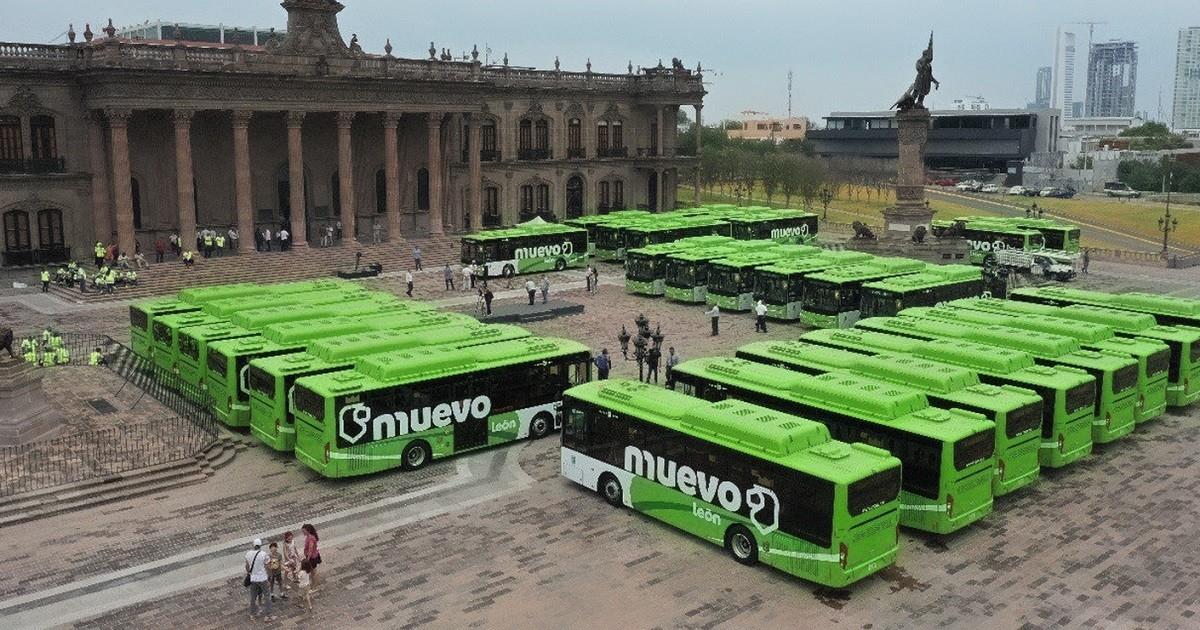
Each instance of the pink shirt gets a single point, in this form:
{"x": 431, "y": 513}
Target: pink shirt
{"x": 310, "y": 547}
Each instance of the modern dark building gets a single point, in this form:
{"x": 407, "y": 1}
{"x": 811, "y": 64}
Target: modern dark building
{"x": 988, "y": 138}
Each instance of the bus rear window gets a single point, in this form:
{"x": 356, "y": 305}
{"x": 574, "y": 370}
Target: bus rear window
{"x": 1081, "y": 397}
{"x": 309, "y": 403}
{"x": 138, "y": 318}
{"x": 973, "y": 450}
{"x": 1158, "y": 362}
{"x": 260, "y": 381}
{"x": 874, "y": 491}
{"x": 1125, "y": 378}
{"x": 190, "y": 347}
{"x": 1022, "y": 419}
{"x": 162, "y": 333}
{"x": 217, "y": 364}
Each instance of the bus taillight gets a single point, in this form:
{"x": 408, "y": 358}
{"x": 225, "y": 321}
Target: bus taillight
{"x": 1062, "y": 441}
{"x": 843, "y": 554}
{"x": 276, "y": 425}
{"x": 949, "y": 506}
{"x": 327, "y": 452}
{"x": 1000, "y": 466}
{"x": 1108, "y": 420}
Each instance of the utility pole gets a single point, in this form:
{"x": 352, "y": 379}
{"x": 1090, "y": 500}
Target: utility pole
{"x": 1167, "y": 223}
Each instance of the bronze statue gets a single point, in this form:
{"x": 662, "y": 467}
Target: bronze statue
{"x": 914, "y": 98}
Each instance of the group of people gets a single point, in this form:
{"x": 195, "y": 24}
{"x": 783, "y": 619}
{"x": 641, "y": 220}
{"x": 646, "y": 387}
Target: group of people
{"x": 280, "y": 567}
{"x": 603, "y": 363}
{"x": 48, "y": 349}
{"x": 760, "y": 318}
{"x": 210, "y": 242}
{"x": 330, "y": 234}
{"x": 265, "y": 239}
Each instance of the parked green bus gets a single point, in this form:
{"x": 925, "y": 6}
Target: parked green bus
{"x": 369, "y": 304}
{"x": 686, "y": 276}
{"x": 1153, "y": 356}
{"x": 591, "y": 221}
{"x": 670, "y": 230}
{"x": 833, "y": 297}
{"x": 947, "y": 454}
{"x": 780, "y": 285}
{"x": 645, "y": 267}
{"x": 779, "y": 225}
{"x": 192, "y": 361}
{"x": 731, "y": 279}
{"x": 270, "y": 380}
{"x": 201, "y": 295}
{"x": 141, "y": 321}
{"x": 1115, "y": 374}
{"x": 523, "y": 249}
{"x": 768, "y": 487}
{"x": 166, "y": 330}
{"x": 226, "y": 307}
{"x": 402, "y": 409}
{"x": 384, "y": 318}
{"x": 935, "y": 285}
{"x": 1183, "y": 373}
{"x": 1068, "y": 394}
{"x": 1017, "y": 412}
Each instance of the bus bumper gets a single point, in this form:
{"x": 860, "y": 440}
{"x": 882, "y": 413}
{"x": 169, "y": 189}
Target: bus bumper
{"x": 788, "y": 312}
{"x": 1153, "y": 401}
{"x": 818, "y": 321}
{"x": 189, "y": 372}
{"x": 1116, "y": 422}
{"x": 269, "y": 428}
{"x": 693, "y": 295}
{"x": 640, "y": 287}
{"x": 934, "y": 516}
{"x": 1185, "y": 393}
{"x": 164, "y": 360}
{"x": 1017, "y": 466}
{"x": 1076, "y": 443}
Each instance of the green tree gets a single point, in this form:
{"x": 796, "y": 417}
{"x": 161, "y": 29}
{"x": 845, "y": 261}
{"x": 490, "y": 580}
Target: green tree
{"x": 789, "y": 176}
{"x": 771, "y": 171}
{"x": 1149, "y": 129}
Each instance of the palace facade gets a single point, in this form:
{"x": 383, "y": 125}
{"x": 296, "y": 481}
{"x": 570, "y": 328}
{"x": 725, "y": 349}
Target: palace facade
{"x": 131, "y": 140}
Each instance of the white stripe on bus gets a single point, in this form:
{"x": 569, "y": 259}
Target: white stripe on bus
{"x": 924, "y": 508}
{"x": 802, "y": 555}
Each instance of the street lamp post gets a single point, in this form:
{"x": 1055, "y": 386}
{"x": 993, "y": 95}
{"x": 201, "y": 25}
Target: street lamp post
{"x": 1167, "y": 223}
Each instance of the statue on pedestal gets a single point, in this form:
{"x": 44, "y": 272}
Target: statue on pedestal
{"x": 914, "y": 97}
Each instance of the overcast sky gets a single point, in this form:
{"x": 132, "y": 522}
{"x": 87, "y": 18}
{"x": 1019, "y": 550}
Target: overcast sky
{"x": 845, "y": 54}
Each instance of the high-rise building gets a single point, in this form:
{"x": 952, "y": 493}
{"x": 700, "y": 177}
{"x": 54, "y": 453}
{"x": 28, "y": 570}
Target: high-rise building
{"x": 1185, "y": 112}
{"x": 1112, "y": 78}
{"x": 1063, "y": 89}
{"x": 1042, "y": 91}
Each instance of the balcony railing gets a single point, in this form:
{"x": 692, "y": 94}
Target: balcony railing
{"x": 612, "y": 152}
{"x": 34, "y": 166}
{"x": 40, "y": 256}
{"x": 534, "y": 154}
{"x": 657, "y": 152}
{"x": 576, "y": 153}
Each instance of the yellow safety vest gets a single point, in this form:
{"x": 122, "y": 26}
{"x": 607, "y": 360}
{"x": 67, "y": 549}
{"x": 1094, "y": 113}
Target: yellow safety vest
{"x": 62, "y": 356}
{"x": 220, "y": 241}
{"x": 99, "y": 251}
{"x": 45, "y": 276}
{"x": 208, "y": 240}
{"x": 94, "y": 358}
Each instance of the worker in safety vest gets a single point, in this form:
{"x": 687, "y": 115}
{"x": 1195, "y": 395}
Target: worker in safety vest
{"x": 96, "y": 357}
{"x": 220, "y": 240}
{"x": 46, "y": 334}
{"x": 28, "y": 345}
{"x": 31, "y": 354}
{"x": 55, "y": 342}
{"x": 188, "y": 258}
{"x": 208, "y": 244}
{"x": 100, "y": 252}
{"x": 62, "y": 356}
{"x": 45, "y": 280}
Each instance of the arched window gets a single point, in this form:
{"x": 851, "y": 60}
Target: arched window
{"x": 602, "y": 139}
{"x": 487, "y": 138}
{"x": 525, "y": 136}
{"x": 574, "y": 138}
{"x": 16, "y": 231}
{"x": 491, "y": 206}
{"x": 541, "y": 136}
{"x": 527, "y": 199}
{"x": 380, "y": 191}
{"x": 335, "y": 194}
{"x": 135, "y": 190}
{"x": 422, "y": 189}
{"x": 50, "y": 228}
{"x": 42, "y": 141}
{"x": 543, "y": 198}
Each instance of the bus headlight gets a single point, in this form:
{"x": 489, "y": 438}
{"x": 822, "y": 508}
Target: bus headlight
{"x": 843, "y": 554}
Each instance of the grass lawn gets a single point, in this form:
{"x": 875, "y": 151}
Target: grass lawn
{"x": 1139, "y": 218}
{"x": 844, "y": 208}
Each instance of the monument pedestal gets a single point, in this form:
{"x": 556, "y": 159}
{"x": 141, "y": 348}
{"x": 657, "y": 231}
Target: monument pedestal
{"x": 25, "y": 415}
{"x": 910, "y": 211}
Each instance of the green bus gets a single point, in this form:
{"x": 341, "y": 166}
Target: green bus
{"x": 1056, "y": 235}
{"x": 768, "y": 487}
{"x": 226, "y": 307}
{"x": 166, "y": 330}
{"x": 1016, "y": 411}
{"x": 225, "y": 378}
{"x": 780, "y": 285}
{"x": 1153, "y": 356}
{"x": 730, "y": 283}
{"x": 402, "y": 409}
{"x": 1115, "y": 374}
{"x": 591, "y": 221}
{"x": 192, "y": 361}
{"x": 645, "y": 267}
{"x": 141, "y": 321}
{"x": 522, "y": 249}
{"x": 384, "y": 318}
{"x": 685, "y": 278}
{"x": 270, "y": 379}
{"x": 368, "y": 304}
{"x": 1068, "y": 394}
{"x": 669, "y": 231}
{"x": 201, "y": 295}
{"x": 1166, "y": 309}
{"x": 1183, "y": 373}
{"x": 987, "y": 237}
{"x": 778, "y": 225}
{"x": 935, "y": 285}
{"x": 833, "y": 297}
{"x": 947, "y": 455}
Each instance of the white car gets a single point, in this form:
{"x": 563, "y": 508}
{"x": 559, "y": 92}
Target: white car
{"x": 989, "y": 188}
{"x": 969, "y": 185}
{"x": 1016, "y": 190}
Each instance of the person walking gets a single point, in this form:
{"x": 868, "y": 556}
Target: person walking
{"x": 587, "y": 278}
{"x": 603, "y": 364}
{"x": 714, "y": 314}
{"x": 266, "y": 235}
{"x": 652, "y": 359}
{"x": 45, "y": 280}
{"x": 487, "y": 298}
{"x": 311, "y": 552}
{"x": 408, "y": 280}
{"x": 417, "y": 257}
{"x": 760, "y": 317}
{"x": 672, "y": 361}
{"x": 468, "y": 272}
{"x": 233, "y": 238}
{"x": 448, "y": 275}
{"x": 595, "y": 280}
{"x": 1086, "y": 259}
{"x": 160, "y": 249}
{"x": 545, "y": 288}
{"x": 256, "y": 580}
{"x": 283, "y": 239}
{"x": 531, "y": 290}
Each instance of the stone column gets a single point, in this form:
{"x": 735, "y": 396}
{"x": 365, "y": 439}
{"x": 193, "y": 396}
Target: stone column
{"x": 243, "y": 203}
{"x": 910, "y": 210}
{"x": 475, "y": 196}
{"x": 391, "y": 172}
{"x": 699, "y": 151}
{"x": 185, "y": 187}
{"x": 345, "y": 120}
{"x": 295, "y": 124}
{"x": 101, "y": 209}
{"x": 658, "y": 112}
{"x": 435, "y": 174}
{"x": 118, "y": 127}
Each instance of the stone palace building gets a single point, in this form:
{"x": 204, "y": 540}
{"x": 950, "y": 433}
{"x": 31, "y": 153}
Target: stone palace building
{"x": 109, "y": 138}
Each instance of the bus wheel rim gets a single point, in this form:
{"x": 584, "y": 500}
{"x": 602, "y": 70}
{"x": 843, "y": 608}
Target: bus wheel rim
{"x": 539, "y": 426}
{"x": 416, "y": 456}
{"x": 612, "y": 490}
{"x": 741, "y": 545}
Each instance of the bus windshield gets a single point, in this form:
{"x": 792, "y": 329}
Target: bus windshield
{"x": 826, "y": 297}
{"x": 641, "y": 267}
{"x": 608, "y": 237}
{"x": 880, "y": 302}
{"x": 974, "y": 449}
{"x": 773, "y": 288}
{"x": 684, "y": 274}
{"x": 726, "y": 280}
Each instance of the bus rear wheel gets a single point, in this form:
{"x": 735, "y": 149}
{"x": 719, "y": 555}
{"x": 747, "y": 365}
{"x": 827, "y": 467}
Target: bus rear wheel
{"x": 415, "y": 455}
{"x": 611, "y": 490}
{"x": 539, "y": 427}
{"x": 508, "y": 271}
{"x": 560, "y": 264}
{"x": 741, "y": 545}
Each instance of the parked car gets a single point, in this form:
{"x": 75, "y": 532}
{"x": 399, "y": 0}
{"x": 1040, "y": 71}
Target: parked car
{"x": 1017, "y": 190}
{"x": 989, "y": 188}
{"x": 969, "y": 185}
{"x": 1055, "y": 191}
{"x": 1030, "y": 192}
{"x": 1120, "y": 189}
{"x": 945, "y": 181}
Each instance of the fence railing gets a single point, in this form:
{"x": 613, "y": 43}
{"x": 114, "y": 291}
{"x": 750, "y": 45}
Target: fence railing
{"x": 110, "y": 451}
{"x": 1122, "y": 255}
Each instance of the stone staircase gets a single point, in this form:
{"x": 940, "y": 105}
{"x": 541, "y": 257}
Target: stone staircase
{"x": 266, "y": 267}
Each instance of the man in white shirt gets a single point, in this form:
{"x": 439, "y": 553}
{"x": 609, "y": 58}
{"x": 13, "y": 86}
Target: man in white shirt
{"x": 408, "y": 280}
{"x": 256, "y": 568}
{"x": 760, "y": 312}
{"x": 468, "y": 272}
{"x": 267, "y": 238}
{"x": 714, "y": 314}
{"x": 283, "y": 240}
{"x": 531, "y": 289}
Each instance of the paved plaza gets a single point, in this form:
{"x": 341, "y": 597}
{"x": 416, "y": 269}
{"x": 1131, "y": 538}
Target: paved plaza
{"x": 498, "y": 539}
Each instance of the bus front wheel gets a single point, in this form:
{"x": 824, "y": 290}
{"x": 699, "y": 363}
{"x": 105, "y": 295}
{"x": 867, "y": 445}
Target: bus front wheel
{"x": 508, "y": 271}
{"x": 741, "y": 545}
{"x": 539, "y": 427}
{"x": 610, "y": 489}
{"x": 415, "y": 455}
{"x": 560, "y": 264}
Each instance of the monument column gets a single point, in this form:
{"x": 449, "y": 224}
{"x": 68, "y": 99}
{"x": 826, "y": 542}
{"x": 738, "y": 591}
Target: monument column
{"x": 242, "y": 201}
{"x": 475, "y": 196}
{"x": 435, "y": 174}
{"x": 296, "y": 201}
{"x": 910, "y": 210}
{"x": 118, "y": 127}
{"x": 345, "y": 121}
{"x": 699, "y": 150}
{"x": 101, "y": 208}
{"x": 185, "y": 186}
{"x": 391, "y": 172}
